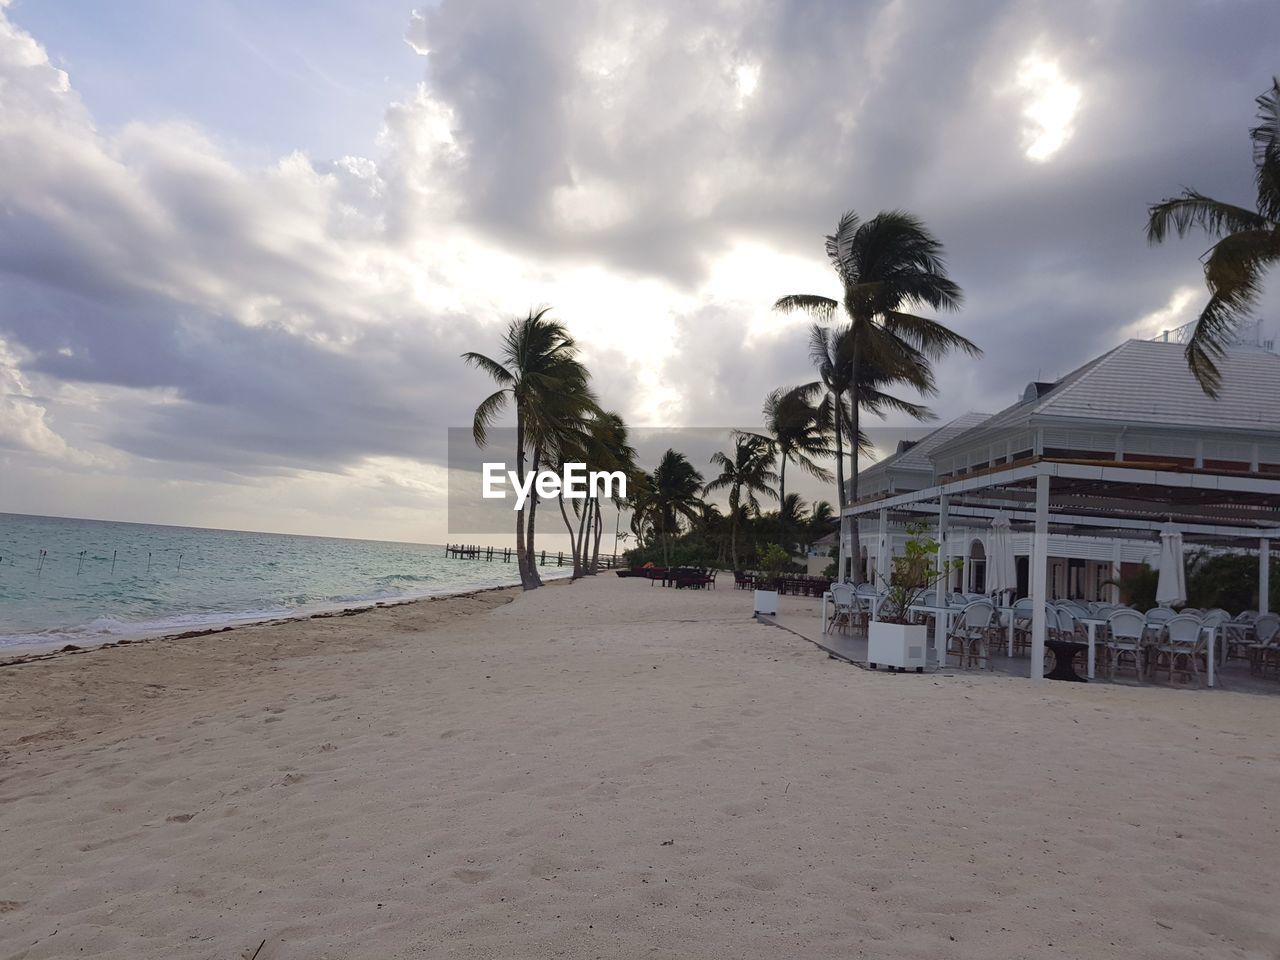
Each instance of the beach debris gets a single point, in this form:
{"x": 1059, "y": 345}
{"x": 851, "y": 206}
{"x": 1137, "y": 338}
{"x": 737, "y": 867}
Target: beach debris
{"x": 259, "y": 950}
{"x": 667, "y": 843}
{"x": 179, "y": 818}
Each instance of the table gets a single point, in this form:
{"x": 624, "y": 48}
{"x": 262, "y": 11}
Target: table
{"x": 1064, "y": 651}
{"x": 941, "y": 627}
{"x": 1092, "y": 624}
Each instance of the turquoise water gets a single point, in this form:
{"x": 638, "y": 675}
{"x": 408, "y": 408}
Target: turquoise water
{"x": 170, "y": 579}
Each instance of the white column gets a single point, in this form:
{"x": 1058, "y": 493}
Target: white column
{"x": 882, "y": 554}
{"x": 1264, "y": 576}
{"x": 1115, "y": 572}
{"x": 1039, "y": 572}
{"x": 944, "y": 503}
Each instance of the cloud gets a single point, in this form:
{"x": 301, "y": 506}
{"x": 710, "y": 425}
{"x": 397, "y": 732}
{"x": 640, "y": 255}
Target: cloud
{"x": 182, "y": 313}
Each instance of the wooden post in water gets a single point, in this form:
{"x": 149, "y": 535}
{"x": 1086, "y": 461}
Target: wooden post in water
{"x": 148, "y": 561}
{"x": 179, "y": 563}
{"x": 113, "y": 563}
{"x": 80, "y": 565}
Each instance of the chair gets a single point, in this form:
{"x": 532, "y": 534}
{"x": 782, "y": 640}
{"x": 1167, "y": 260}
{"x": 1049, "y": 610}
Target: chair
{"x": 1062, "y": 622}
{"x": 969, "y": 639}
{"x": 1180, "y": 648}
{"x": 1160, "y": 615}
{"x": 1021, "y": 614}
{"x": 1237, "y": 634}
{"x": 1264, "y": 653}
{"x": 1125, "y": 632}
{"x": 842, "y": 598}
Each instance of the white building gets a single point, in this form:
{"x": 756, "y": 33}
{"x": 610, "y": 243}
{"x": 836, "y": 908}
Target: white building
{"x": 1131, "y": 441}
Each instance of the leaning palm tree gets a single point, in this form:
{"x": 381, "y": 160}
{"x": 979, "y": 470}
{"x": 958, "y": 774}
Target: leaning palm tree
{"x": 749, "y": 470}
{"x": 540, "y": 375}
{"x": 886, "y": 267}
{"x": 1247, "y": 244}
{"x": 797, "y": 429}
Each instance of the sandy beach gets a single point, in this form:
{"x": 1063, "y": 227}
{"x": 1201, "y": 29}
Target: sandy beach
{"x": 610, "y": 769}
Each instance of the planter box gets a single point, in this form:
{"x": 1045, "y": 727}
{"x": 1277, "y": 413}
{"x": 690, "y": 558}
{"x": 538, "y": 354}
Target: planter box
{"x": 767, "y": 602}
{"x": 897, "y": 646}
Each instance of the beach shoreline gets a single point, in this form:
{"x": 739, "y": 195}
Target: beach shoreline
{"x": 18, "y": 653}
{"x": 612, "y": 768}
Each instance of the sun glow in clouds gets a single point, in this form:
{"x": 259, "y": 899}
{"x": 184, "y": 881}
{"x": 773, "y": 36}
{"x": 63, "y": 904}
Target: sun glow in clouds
{"x": 1051, "y": 106}
{"x": 746, "y": 76}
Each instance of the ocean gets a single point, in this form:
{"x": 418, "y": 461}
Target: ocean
{"x": 89, "y": 582}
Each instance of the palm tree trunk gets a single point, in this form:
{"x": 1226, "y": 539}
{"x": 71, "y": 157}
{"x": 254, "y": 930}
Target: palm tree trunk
{"x": 581, "y": 537}
{"x": 855, "y": 546}
{"x": 522, "y": 557}
{"x": 782, "y": 500}
{"x": 573, "y": 540}
{"x": 595, "y": 550}
{"x": 535, "y": 579}
{"x": 733, "y": 527}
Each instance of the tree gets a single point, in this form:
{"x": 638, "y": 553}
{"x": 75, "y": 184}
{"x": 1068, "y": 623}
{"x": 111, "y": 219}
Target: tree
{"x": 749, "y": 470}
{"x": 540, "y": 375}
{"x": 797, "y": 429}
{"x": 1247, "y": 244}
{"x": 887, "y": 267}
{"x": 603, "y": 445}
{"x": 672, "y": 494}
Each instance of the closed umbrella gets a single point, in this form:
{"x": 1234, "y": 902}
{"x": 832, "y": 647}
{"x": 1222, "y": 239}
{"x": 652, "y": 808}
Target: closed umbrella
{"x": 1171, "y": 590}
{"x": 1001, "y": 574}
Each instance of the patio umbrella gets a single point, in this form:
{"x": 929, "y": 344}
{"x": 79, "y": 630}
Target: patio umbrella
{"x": 1171, "y": 591}
{"x": 1001, "y": 575}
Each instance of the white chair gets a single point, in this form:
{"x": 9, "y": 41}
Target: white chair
{"x": 971, "y": 634}
{"x": 1125, "y": 632}
{"x": 1022, "y": 615}
{"x": 1237, "y": 634}
{"x": 843, "y": 600}
{"x": 1181, "y": 647}
{"x": 1160, "y": 615}
{"x": 1264, "y": 653}
{"x": 1063, "y": 622}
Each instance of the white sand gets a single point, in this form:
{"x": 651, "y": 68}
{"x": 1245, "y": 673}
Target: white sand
{"x": 610, "y": 769}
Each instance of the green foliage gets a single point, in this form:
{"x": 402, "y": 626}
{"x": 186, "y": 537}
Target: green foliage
{"x": 1138, "y": 588}
{"x": 1247, "y": 243}
{"x": 915, "y": 572}
{"x": 775, "y": 560}
{"x": 1226, "y": 580}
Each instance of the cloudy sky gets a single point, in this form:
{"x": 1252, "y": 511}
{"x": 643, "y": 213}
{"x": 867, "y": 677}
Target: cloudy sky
{"x": 242, "y": 244}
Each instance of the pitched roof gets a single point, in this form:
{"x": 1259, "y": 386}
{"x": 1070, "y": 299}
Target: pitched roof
{"x": 917, "y": 455}
{"x": 1147, "y": 382}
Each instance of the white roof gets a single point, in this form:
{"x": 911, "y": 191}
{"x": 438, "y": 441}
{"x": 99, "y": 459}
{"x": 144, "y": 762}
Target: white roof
{"x": 1148, "y": 383}
{"x": 917, "y": 456}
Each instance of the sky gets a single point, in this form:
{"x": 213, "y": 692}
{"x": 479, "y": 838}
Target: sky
{"x": 242, "y": 245}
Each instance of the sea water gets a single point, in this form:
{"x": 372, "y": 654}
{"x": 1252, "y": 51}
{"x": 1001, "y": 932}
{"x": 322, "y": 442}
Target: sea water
{"x": 93, "y": 581}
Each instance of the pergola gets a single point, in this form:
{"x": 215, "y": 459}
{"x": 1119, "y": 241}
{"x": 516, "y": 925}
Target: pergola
{"x": 1111, "y": 499}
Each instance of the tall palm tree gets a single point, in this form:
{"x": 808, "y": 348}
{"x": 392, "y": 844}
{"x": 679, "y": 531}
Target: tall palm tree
{"x": 749, "y": 470}
{"x": 798, "y": 429}
{"x": 1247, "y": 244}
{"x": 886, "y": 267}
{"x": 540, "y": 375}
{"x": 673, "y": 493}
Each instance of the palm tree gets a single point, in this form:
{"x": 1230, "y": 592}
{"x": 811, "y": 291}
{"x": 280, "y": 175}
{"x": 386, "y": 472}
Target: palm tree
{"x": 886, "y": 267}
{"x": 671, "y": 494}
{"x": 797, "y": 430}
{"x": 820, "y": 520}
{"x": 790, "y": 520}
{"x": 1247, "y": 244}
{"x": 540, "y": 374}
{"x": 749, "y": 470}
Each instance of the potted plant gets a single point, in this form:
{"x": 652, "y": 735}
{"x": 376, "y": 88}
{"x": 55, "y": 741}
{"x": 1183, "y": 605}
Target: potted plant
{"x": 892, "y": 639}
{"x": 772, "y": 563}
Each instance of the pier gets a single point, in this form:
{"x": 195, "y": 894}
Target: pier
{"x": 459, "y": 551}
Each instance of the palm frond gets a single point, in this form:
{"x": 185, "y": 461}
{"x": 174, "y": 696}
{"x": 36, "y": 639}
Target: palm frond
{"x": 493, "y": 368}
{"x": 486, "y": 413}
{"x": 821, "y": 308}
{"x": 1194, "y": 210}
{"x": 928, "y": 336}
